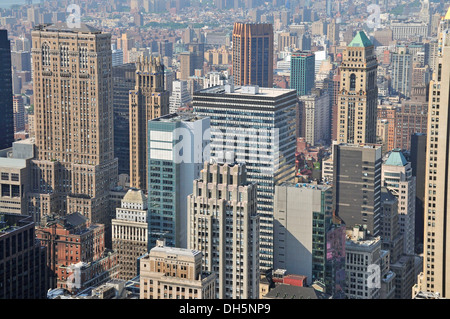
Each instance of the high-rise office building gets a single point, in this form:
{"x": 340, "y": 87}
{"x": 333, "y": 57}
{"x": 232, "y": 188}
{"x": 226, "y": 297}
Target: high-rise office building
{"x": 6, "y": 93}
{"x": 24, "y": 273}
{"x": 224, "y": 225}
{"x": 402, "y": 71}
{"x": 253, "y": 54}
{"x": 123, "y": 80}
{"x": 179, "y": 97}
{"x": 148, "y": 100}
{"x": 174, "y": 273}
{"x": 130, "y": 232}
{"x": 397, "y": 177}
{"x": 436, "y": 268}
{"x": 258, "y": 125}
{"x": 357, "y": 100}
{"x": 315, "y": 117}
{"x": 75, "y": 166}
{"x": 177, "y": 147}
{"x": 357, "y": 185}
{"x": 306, "y": 240}
{"x": 302, "y": 72}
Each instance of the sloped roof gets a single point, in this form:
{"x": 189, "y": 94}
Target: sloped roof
{"x": 134, "y": 196}
{"x": 360, "y": 40}
{"x": 396, "y": 158}
{"x": 64, "y": 27}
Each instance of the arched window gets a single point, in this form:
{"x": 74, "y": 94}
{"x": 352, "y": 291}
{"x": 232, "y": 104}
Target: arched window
{"x": 352, "y": 81}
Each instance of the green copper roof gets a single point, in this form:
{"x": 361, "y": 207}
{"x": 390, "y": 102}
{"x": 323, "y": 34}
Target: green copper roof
{"x": 360, "y": 40}
{"x": 396, "y": 158}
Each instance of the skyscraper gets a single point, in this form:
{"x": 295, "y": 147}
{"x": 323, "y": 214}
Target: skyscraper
{"x": 6, "y": 93}
{"x": 357, "y": 100}
{"x": 148, "y": 100}
{"x": 177, "y": 147}
{"x": 124, "y": 78}
{"x": 396, "y": 176}
{"x": 436, "y": 268}
{"x": 357, "y": 185}
{"x": 75, "y": 166}
{"x": 402, "y": 62}
{"x": 302, "y": 72}
{"x": 258, "y": 125}
{"x": 224, "y": 226}
{"x": 253, "y": 54}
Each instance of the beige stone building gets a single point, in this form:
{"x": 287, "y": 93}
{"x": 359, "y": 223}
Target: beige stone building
{"x": 436, "y": 267}
{"x": 224, "y": 226}
{"x": 74, "y": 167}
{"x": 130, "y": 232}
{"x": 357, "y": 98}
{"x": 174, "y": 273}
{"x": 148, "y": 100}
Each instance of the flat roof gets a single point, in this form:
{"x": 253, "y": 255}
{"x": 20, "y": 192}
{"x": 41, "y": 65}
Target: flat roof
{"x": 240, "y": 90}
{"x": 176, "y": 251}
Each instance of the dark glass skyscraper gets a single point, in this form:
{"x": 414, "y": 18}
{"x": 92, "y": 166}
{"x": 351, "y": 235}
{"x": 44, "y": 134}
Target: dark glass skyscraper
{"x": 6, "y": 98}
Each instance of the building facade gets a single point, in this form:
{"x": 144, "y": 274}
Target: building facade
{"x": 175, "y": 273}
{"x": 75, "y": 166}
{"x": 258, "y": 125}
{"x": 178, "y": 146}
{"x": 223, "y": 225}
{"x": 6, "y": 93}
{"x": 302, "y": 72}
{"x": 253, "y": 54}
{"x": 130, "y": 232}
{"x": 148, "y": 101}
{"x": 23, "y": 268}
{"x": 358, "y": 94}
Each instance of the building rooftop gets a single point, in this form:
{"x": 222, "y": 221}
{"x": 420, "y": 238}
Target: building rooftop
{"x": 246, "y": 90}
{"x": 135, "y": 196}
{"x": 321, "y": 187}
{"x": 284, "y": 291}
{"x": 181, "y": 116}
{"x": 360, "y": 40}
{"x": 396, "y": 158}
{"x": 176, "y": 251}
{"x": 64, "y": 27}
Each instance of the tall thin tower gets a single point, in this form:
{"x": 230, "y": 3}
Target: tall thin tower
{"x": 357, "y": 99}
{"x": 436, "y": 263}
{"x": 253, "y": 54}
{"x": 6, "y": 93}
{"x": 148, "y": 100}
{"x": 74, "y": 168}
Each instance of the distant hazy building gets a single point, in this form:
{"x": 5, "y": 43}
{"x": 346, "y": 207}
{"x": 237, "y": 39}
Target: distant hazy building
{"x": 402, "y": 71}
{"x": 315, "y": 117}
{"x": 179, "y": 97}
{"x": 174, "y": 273}
{"x": 406, "y": 30}
{"x": 223, "y": 224}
